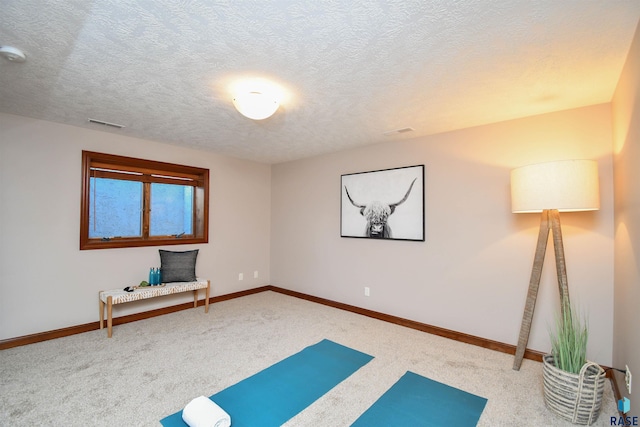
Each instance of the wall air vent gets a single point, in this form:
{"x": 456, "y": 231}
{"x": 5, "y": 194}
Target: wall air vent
{"x": 395, "y": 131}
{"x": 100, "y": 122}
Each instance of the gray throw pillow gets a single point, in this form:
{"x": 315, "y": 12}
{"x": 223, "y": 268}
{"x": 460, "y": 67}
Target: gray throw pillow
{"x": 178, "y": 266}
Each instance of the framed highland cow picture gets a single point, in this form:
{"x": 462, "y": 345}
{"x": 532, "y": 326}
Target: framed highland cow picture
{"x": 383, "y": 204}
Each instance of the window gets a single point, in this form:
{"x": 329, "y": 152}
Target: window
{"x": 129, "y": 202}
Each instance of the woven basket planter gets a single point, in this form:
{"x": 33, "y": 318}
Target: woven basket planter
{"x": 574, "y": 397}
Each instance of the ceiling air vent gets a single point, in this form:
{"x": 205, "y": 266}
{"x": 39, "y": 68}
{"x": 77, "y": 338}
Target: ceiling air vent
{"x": 100, "y": 122}
{"x": 395, "y": 131}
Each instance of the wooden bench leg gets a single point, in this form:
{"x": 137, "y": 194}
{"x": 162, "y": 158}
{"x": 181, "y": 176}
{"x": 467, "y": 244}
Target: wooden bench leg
{"x": 101, "y": 311}
{"x": 109, "y": 316}
{"x": 206, "y": 299}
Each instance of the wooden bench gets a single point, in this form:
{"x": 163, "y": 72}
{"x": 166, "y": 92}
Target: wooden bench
{"x": 120, "y": 296}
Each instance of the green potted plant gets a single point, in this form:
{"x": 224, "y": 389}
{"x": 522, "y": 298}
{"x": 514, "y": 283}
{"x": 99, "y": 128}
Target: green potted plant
{"x": 573, "y": 385}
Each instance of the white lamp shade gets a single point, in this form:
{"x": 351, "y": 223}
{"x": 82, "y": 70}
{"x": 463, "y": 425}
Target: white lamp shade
{"x": 566, "y": 185}
{"x": 256, "y": 105}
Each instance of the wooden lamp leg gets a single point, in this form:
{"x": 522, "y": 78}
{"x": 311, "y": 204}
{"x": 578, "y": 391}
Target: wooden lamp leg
{"x": 550, "y": 219}
{"x": 561, "y": 267}
{"x": 532, "y": 294}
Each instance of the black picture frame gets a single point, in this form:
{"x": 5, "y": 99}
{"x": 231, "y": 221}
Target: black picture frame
{"x": 383, "y": 204}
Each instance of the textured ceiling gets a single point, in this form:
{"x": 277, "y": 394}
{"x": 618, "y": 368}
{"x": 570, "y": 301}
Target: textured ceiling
{"x": 350, "y": 70}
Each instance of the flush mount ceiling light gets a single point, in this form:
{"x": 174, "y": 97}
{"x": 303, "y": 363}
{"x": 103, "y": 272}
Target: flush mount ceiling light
{"x": 12, "y": 54}
{"x": 256, "y": 104}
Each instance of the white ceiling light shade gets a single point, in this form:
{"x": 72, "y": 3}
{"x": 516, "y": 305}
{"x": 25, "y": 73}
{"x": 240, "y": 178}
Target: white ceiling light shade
{"x": 13, "y": 54}
{"x": 255, "y": 97}
{"x": 255, "y": 104}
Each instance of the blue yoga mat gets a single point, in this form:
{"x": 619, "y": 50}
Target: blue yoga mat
{"x": 273, "y": 396}
{"x": 418, "y": 401}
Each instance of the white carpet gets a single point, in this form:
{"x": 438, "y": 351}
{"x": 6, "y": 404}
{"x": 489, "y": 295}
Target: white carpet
{"x": 152, "y": 368}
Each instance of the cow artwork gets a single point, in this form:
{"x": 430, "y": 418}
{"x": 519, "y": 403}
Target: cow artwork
{"x": 377, "y": 214}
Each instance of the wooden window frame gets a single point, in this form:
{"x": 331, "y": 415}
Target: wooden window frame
{"x": 148, "y": 172}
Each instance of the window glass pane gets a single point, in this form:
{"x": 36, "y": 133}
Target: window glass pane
{"x": 115, "y": 208}
{"x": 145, "y": 203}
{"x": 171, "y": 210}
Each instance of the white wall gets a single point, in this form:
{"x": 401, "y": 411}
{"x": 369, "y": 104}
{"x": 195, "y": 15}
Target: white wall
{"x": 626, "y": 118}
{"x": 47, "y": 283}
{"x": 472, "y": 272}
{"x": 470, "y": 275}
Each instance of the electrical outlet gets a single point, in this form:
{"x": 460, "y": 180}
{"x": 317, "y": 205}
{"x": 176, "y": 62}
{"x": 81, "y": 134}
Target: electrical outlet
{"x": 255, "y": 274}
{"x": 240, "y": 276}
{"x": 366, "y": 291}
{"x": 627, "y": 379}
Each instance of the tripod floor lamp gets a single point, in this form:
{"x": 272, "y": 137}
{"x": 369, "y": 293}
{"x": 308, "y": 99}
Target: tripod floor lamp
{"x": 551, "y": 188}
